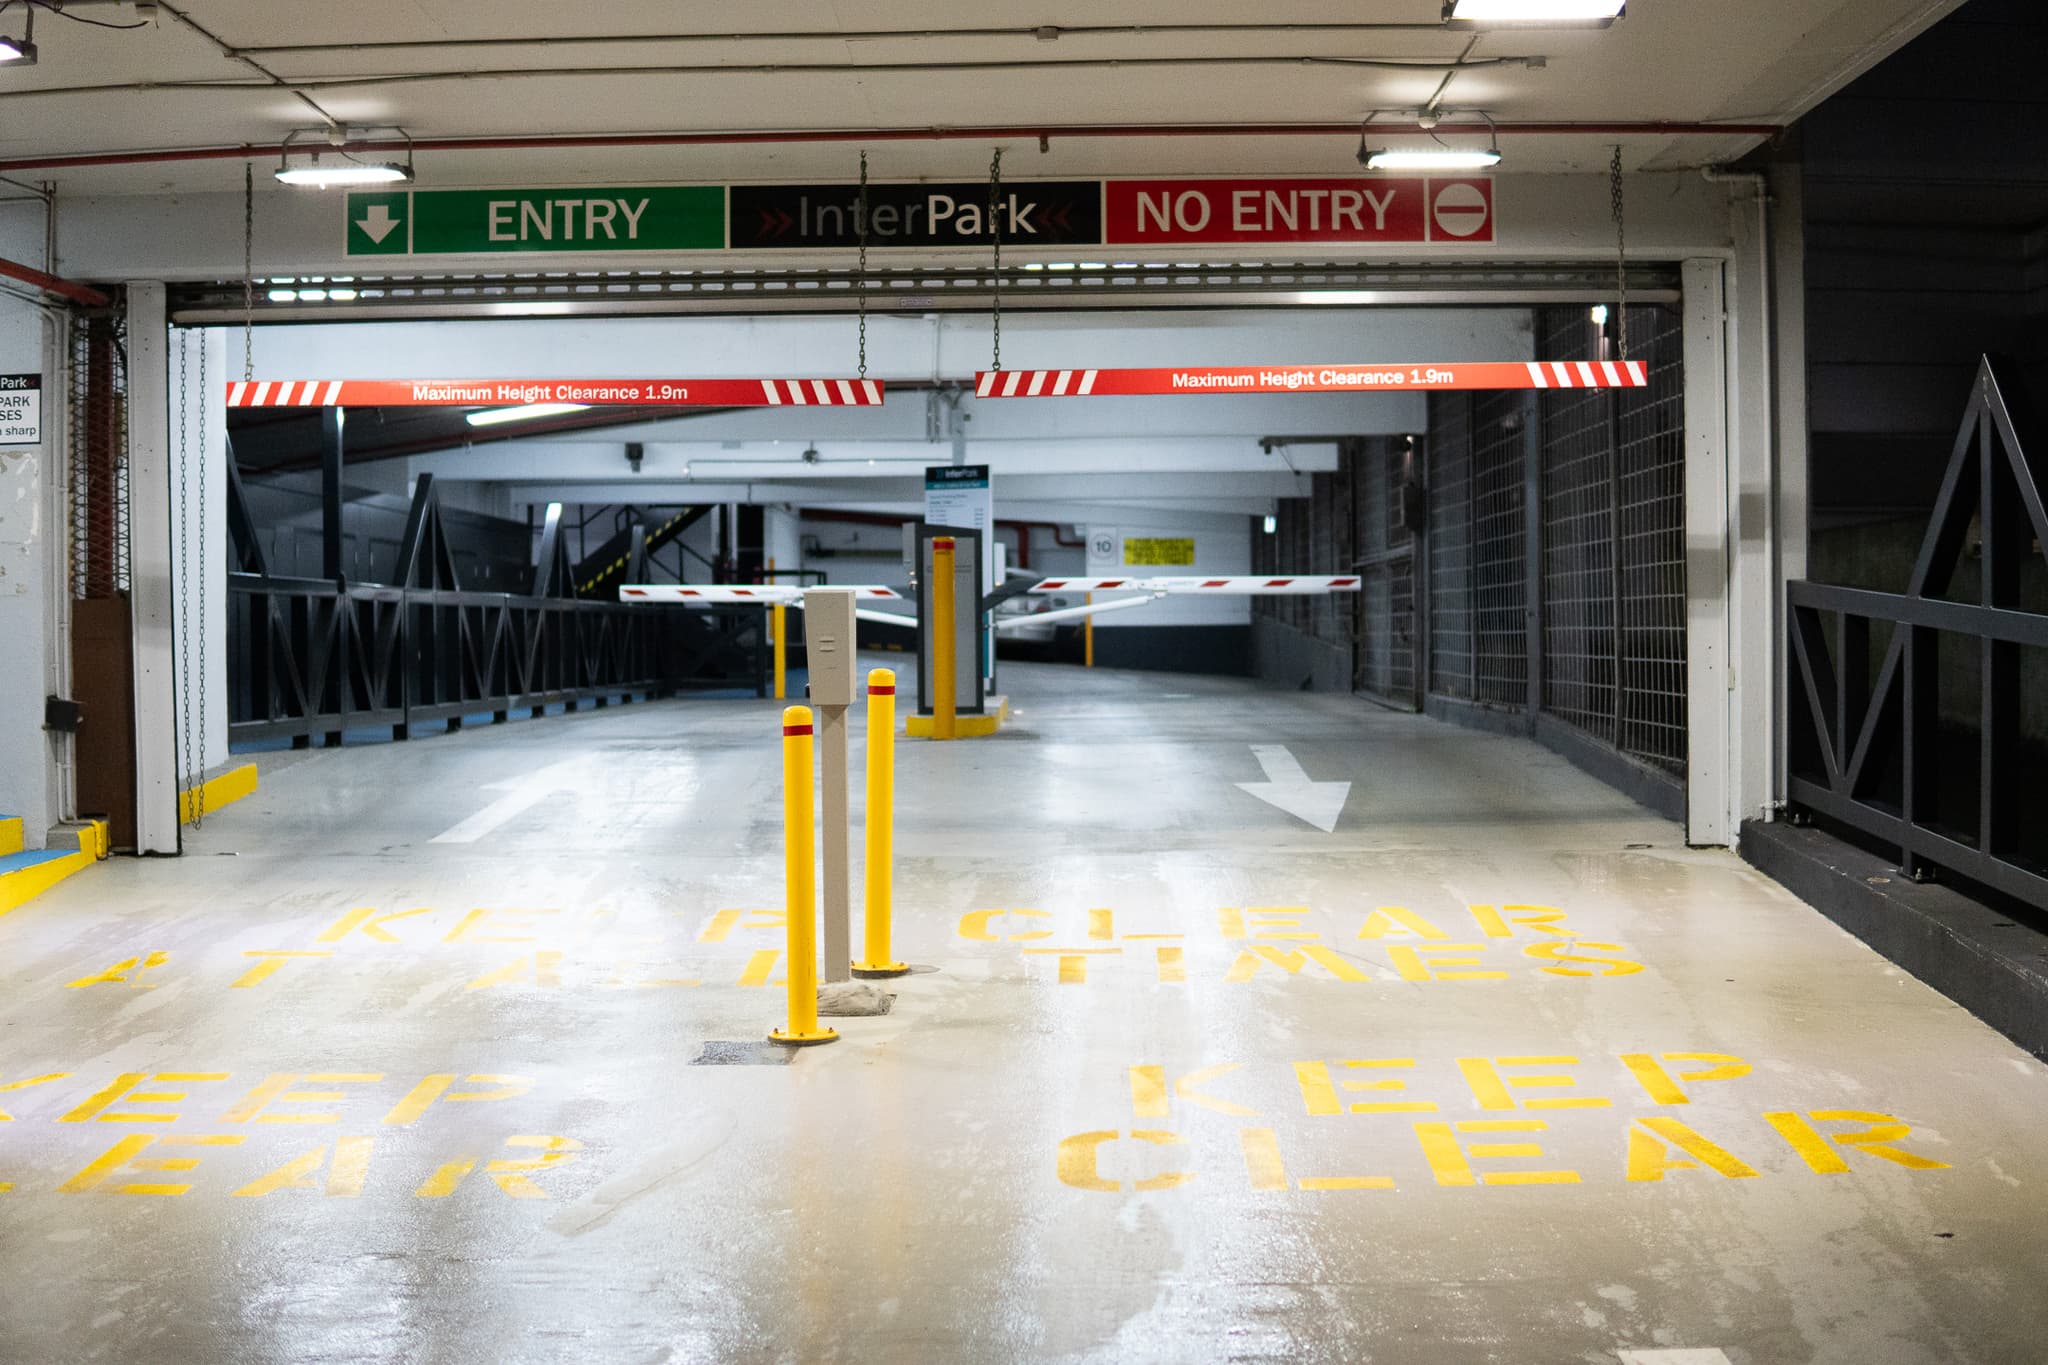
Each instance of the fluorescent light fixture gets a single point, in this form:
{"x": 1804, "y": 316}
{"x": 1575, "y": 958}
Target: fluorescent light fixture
{"x": 1432, "y": 159}
{"x": 344, "y": 173}
{"x": 1535, "y": 13}
{"x": 491, "y": 417}
{"x": 1599, "y": 315}
{"x": 1272, "y": 524}
{"x": 18, "y": 50}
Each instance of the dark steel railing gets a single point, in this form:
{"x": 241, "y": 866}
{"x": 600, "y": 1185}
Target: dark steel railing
{"x": 1865, "y": 728}
{"x": 314, "y": 657}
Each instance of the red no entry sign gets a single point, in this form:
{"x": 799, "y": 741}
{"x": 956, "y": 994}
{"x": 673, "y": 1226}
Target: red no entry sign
{"x": 1370, "y": 210}
{"x": 472, "y": 393}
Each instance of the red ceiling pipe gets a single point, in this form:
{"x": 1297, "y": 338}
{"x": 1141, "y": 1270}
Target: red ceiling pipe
{"x": 999, "y": 133}
{"x": 63, "y": 288}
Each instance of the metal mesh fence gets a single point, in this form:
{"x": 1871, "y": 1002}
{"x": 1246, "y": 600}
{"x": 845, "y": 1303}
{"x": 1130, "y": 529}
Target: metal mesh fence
{"x": 1386, "y": 563}
{"x": 1498, "y": 531}
{"x": 1578, "y": 538}
{"x": 1477, "y": 548}
{"x": 1614, "y": 541}
{"x": 1450, "y": 545}
{"x": 98, "y": 433}
{"x": 1601, "y": 515}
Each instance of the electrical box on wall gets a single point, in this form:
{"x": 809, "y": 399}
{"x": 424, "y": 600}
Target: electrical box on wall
{"x": 829, "y": 645}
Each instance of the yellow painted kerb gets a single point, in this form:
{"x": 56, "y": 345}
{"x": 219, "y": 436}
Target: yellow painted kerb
{"x": 19, "y": 887}
{"x": 232, "y": 785}
{"x": 964, "y": 727}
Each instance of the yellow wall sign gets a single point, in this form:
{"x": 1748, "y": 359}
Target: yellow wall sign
{"x": 1153, "y": 550}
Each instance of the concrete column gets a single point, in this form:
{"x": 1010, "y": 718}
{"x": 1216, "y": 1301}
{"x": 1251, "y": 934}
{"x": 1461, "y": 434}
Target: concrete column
{"x": 196, "y": 392}
{"x": 1707, "y": 523}
{"x": 1788, "y": 307}
{"x": 1755, "y": 598}
{"x": 152, "y": 593}
{"x": 34, "y": 586}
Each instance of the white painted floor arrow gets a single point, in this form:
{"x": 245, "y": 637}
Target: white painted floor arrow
{"x": 377, "y": 223}
{"x": 522, "y": 795}
{"x": 1289, "y": 788}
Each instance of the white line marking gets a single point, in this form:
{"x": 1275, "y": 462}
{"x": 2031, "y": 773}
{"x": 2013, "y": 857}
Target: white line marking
{"x": 1586, "y": 373}
{"x": 1059, "y": 386}
{"x": 522, "y": 795}
{"x": 237, "y": 393}
{"x": 1698, "y": 1355}
{"x": 874, "y": 394}
{"x": 846, "y": 393}
{"x": 1037, "y": 383}
{"x": 1536, "y": 373}
{"x": 333, "y": 392}
{"x": 987, "y": 384}
{"x": 1613, "y": 378}
{"x": 774, "y": 398}
{"x": 824, "y": 394}
{"x": 1010, "y": 383}
{"x": 1564, "y": 376}
{"x": 1087, "y": 383}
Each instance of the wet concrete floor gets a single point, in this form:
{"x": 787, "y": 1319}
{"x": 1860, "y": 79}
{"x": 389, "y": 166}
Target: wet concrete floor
{"x": 450, "y": 1051}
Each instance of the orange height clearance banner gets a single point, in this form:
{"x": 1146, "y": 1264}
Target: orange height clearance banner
{"x": 496, "y": 393}
{"x": 1353, "y": 378}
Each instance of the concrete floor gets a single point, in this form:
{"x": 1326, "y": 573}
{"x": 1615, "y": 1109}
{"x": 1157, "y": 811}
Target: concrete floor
{"x": 1116, "y": 1121}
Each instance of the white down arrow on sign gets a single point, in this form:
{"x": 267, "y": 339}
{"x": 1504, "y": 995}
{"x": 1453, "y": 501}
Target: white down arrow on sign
{"x": 378, "y": 222}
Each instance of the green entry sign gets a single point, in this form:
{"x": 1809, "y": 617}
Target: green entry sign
{"x": 497, "y": 222}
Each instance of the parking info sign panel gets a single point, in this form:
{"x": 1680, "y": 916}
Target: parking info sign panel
{"x": 21, "y": 409}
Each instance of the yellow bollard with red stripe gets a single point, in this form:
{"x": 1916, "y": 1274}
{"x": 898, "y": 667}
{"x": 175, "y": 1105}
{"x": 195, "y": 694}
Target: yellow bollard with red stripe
{"x": 799, "y": 853}
{"x": 881, "y": 826}
{"x": 945, "y": 648}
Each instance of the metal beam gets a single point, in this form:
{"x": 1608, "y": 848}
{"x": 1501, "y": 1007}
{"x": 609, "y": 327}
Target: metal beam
{"x": 332, "y": 498}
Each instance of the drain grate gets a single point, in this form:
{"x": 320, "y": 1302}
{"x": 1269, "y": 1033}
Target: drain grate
{"x": 741, "y": 1053}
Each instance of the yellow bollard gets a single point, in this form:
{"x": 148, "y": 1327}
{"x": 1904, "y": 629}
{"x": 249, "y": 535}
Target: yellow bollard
{"x": 799, "y": 856}
{"x": 778, "y": 617}
{"x": 881, "y": 824}
{"x": 944, "y": 647}
{"x": 1088, "y": 633}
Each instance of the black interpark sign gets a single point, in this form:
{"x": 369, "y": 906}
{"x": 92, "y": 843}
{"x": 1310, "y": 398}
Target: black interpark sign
{"x": 1027, "y": 212}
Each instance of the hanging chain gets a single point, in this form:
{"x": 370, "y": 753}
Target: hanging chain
{"x": 860, "y": 280}
{"x": 182, "y": 445}
{"x": 995, "y": 235}
{"x": 1620, "y": 255}
{"x": 248, "y": 272}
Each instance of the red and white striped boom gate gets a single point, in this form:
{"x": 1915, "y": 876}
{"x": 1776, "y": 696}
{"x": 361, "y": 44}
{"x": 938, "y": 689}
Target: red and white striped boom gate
{"x": 1239, "y": 585}
{"x": 497, "y": 393}
{"x": 720, "y": 594}
{"x": 1352, "y": 378}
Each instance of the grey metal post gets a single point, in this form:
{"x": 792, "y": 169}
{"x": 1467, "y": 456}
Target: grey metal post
{"x": 331, "y": 422}
{"x": 829, "y": 657}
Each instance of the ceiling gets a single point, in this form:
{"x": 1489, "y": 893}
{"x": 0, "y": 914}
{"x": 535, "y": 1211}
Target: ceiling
{"x": 227, "y": 73}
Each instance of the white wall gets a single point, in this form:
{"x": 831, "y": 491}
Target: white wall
{"x": 1223, "y": 545}
{"x": 780, "y": 538}
{"x": 34, "y": 615}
